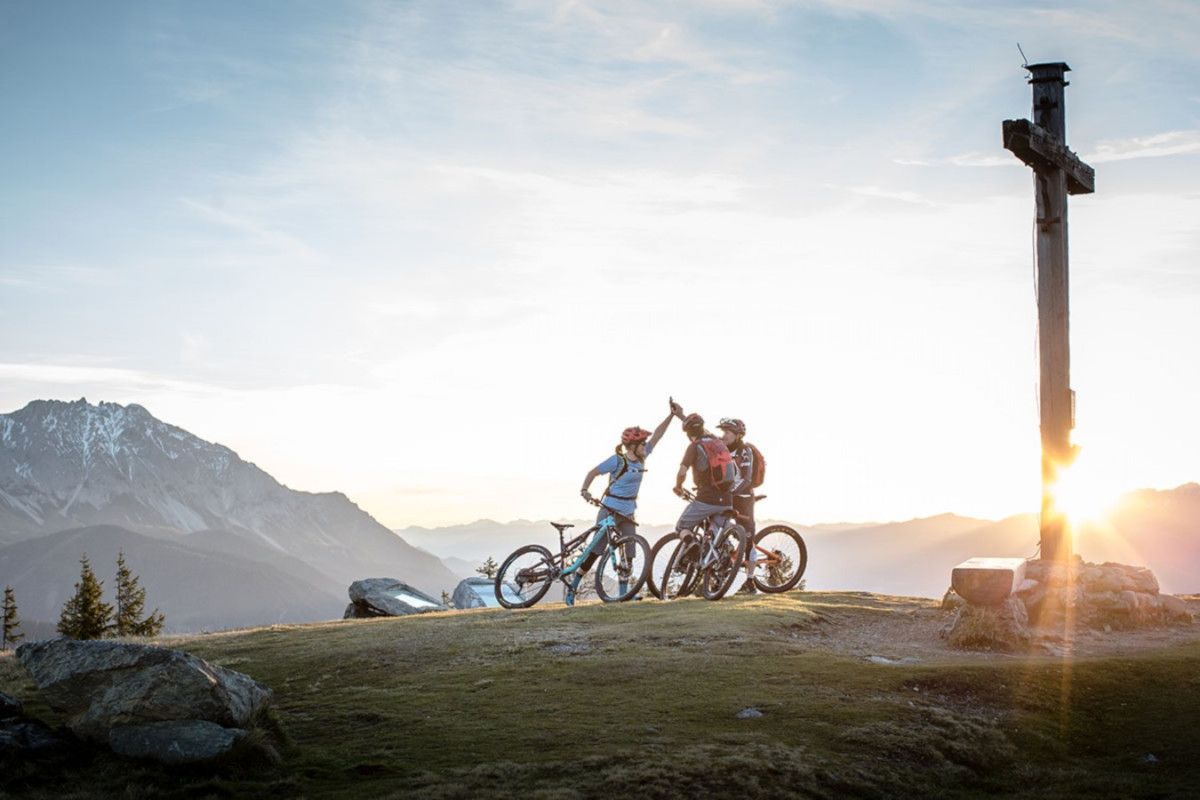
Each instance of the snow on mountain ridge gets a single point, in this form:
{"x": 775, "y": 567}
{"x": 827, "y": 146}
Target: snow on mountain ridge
{"x": 114, "y": 432}
{"x": 66, "y": 465}
{"x": 63, "y": 454}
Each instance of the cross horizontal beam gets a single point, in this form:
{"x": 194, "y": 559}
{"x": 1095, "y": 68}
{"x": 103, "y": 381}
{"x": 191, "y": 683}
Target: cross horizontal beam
{"x": 1038, "y": 148}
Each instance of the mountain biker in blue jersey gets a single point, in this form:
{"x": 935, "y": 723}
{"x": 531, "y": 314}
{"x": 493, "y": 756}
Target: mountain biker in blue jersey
{"x": 624, "y": 468}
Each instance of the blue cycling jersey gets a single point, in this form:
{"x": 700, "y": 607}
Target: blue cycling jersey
{"x": 626, "y": 486}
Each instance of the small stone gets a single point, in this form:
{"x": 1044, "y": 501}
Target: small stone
{"x": 749, "y": 713}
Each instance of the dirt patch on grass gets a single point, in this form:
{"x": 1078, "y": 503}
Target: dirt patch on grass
{"x": 908, "y": 630}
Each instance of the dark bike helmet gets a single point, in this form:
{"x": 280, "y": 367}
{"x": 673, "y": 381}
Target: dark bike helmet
{"x": 734, "y": 426}
{"x": 693, "y": 423}
{"x": 634, "y": 435}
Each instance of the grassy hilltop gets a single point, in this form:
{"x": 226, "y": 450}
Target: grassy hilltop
{"x": 643, "y": 700}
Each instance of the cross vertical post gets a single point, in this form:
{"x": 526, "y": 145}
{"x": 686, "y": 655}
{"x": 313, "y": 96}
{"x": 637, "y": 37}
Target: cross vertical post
{"x": 1057, "y": 173}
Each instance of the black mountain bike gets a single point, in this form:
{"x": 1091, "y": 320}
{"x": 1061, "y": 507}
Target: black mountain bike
{"x": 527, "y": 574}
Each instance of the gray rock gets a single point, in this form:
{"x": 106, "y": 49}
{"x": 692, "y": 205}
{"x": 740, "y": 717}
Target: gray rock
{"x": 1175, "y": 609}
{"x": 30, "y": 738}
{"x": 100, "y": 685}
{"x": 749, "y": 713}
{"x": 475, "y": 593}
{"x": 388, "y": 597}
{"x": 174, "y": 742}
{"x": 10, "y": 707}
{"x": 1098, "y": 596}
{"x": 951, "y": 600}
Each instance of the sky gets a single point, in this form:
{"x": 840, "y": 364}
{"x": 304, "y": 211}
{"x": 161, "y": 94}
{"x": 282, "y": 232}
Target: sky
{"x": 437, "y": 256}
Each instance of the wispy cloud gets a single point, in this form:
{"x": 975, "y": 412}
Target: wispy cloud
{"x": 1171, "y": 143}
{"x": 286, "y": 245}
{"x": 890, "y": 194}
{"x": 961, "y": 160}
{"x": 83, "y": 375}
{"x": 53, "y": 276}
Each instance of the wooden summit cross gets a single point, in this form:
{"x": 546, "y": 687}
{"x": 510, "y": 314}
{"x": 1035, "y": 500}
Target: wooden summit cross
{"x": 1042, "y": 144}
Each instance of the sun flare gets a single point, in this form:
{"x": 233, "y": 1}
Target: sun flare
{"x": 1083, "y": 494}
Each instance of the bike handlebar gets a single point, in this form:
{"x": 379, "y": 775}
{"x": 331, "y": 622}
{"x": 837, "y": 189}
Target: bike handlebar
{"x": 612, "y": 511}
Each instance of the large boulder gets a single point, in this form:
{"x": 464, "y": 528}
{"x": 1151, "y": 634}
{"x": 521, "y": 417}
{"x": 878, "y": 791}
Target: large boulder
{"x": 99, "y": 686}
{"x": 387, "y": 597}
{"x": 1101, "y": 596}
{"x": 174, "y": 742}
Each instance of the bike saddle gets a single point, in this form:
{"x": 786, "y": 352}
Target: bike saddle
{"x": 562, "y": 526}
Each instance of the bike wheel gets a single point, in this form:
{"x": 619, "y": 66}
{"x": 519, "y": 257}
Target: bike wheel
{"x": 659, "y": 555}
{"x": 679, "y": 575}
{"x": 729, "y": 550}
{"x": 780, "y": 559}
{"x": 525, "y": 577}
{"x": 622, "y": 569}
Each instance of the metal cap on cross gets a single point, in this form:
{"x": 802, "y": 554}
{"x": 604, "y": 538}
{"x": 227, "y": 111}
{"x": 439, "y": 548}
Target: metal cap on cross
{"x": 1042, "y": 145}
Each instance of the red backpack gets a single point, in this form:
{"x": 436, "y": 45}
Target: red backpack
{"x": 758, "y": 468}
{"x": 721, "y": 467}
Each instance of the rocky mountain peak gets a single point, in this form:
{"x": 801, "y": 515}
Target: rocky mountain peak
{"x": 93, "y": 437}
{"x": 66, "y": 465}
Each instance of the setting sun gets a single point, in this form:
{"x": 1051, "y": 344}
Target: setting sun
{"x": 1084, "y": 493}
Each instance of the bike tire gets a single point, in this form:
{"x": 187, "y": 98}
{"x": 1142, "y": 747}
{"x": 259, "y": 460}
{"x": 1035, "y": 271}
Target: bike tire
{"x": 621, "y": 571}
{"x": 525, "y": 577}
{"x": 679, "y": 576}
{"x": 718, "y": 576}
{"x": 659, "y": 555}
{"x": 788, "y": 547}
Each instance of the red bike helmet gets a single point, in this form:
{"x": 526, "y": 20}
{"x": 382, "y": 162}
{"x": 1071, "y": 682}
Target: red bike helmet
{"x": 693, "y": 422}
{"x": 634, "y": 435}
{"x": 734, "y": 426}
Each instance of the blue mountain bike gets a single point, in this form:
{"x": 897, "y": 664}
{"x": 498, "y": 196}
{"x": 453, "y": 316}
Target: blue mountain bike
{"x": 621, "y": 564}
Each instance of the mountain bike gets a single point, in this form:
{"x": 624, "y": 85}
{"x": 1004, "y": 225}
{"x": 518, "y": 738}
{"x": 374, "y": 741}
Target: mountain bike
{"x": 660, "y": 554}
{"x": 776, "y": 558}
{"x": 708, "y": 557}
{"x": 527, "y": 574}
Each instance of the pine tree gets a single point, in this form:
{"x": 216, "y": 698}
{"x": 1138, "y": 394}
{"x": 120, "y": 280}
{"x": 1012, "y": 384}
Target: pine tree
{"x": 488, "y": 568}
{"x": 86, "y": 615}
{"x": 8, "y": 634}
{"x": 131, "y": 603}
{"x": 447, "y": 601}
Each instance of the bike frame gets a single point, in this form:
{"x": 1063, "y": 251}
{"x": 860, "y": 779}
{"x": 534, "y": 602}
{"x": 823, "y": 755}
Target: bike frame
{"x": 600, "y": 532}
{"x": 708, "y": 539}
{"x": 714, "y": 524}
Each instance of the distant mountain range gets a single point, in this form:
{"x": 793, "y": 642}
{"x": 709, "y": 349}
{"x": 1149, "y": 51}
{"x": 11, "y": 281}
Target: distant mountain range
{"x": 1158, "y": 529}
{"x": 217, "y": 542}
